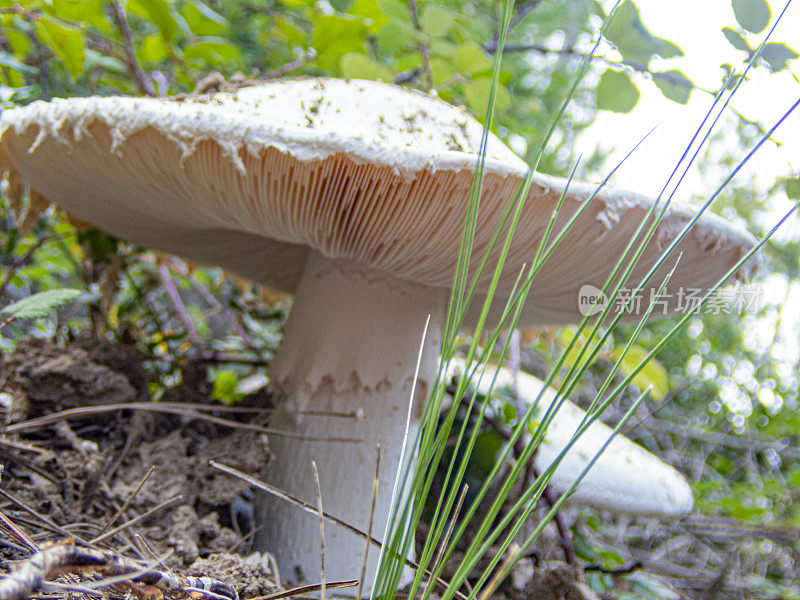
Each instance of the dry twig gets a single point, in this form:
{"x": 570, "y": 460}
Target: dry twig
{"x": 307, "y": 589}
{"x": 175, "y": 409}
{"x": 131, "y": 62}
{"x": 55, "y": 559}
{"x": 311, "y": 509}
{"x": 374, "y": 499}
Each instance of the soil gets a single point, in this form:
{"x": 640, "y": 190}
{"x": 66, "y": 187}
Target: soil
{"x": 113, "y": 474}
{"x": 67, "y": 478}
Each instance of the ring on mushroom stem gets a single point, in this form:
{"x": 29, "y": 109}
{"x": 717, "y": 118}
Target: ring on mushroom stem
{"x": 350, "y": 195}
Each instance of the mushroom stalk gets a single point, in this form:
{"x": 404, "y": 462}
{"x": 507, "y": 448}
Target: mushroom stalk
{"x": 351, "y": 344}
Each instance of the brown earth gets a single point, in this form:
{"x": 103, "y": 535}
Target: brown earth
{"x": 68, "y": 477}
{"x": 86, "y": 456}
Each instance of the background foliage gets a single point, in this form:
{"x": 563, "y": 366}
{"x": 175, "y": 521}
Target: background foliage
{"x": 726, "y": 390}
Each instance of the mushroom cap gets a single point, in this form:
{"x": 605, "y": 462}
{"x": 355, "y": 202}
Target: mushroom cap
{"x": 255, "y": 179}
{"x": 626, "y": 478}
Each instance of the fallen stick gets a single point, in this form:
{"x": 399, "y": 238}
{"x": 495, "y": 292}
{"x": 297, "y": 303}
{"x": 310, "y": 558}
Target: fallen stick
{"x": 31, "y": 575}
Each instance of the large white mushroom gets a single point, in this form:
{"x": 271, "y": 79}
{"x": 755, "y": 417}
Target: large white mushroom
{"x": 626, "y": 479}
{"x": 350, "y": 195}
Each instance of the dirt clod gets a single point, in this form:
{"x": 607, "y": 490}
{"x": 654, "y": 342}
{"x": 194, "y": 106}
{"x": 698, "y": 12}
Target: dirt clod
{"x": 60, "y": 378}
{"x": 69, "y": 478}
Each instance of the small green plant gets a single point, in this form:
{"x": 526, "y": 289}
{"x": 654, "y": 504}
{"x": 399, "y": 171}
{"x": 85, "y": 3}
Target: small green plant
{"x": 39, "y": 305}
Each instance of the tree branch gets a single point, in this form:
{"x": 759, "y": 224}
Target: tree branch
{"x": 491, "y": 47}
{"x": 408, "y": 76}
{"x": 309, "y": 56}
{"x": 422, "y": 48}
{"x": 131, "y": 62}
{"x": 780, "y": 447}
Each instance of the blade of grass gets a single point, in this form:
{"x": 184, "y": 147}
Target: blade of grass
{"x": 486, "y": 534}
{"x": 514, "y": 555}
{"x": 398, "y": 524}
{"x": 514, "y": 303}
{"x": 659, "y": 346}
{"x": 321, "y": 533}
{"x": 462, "y": 264}
{"x": 442, "y": 437}
{"x": 478, "y": 329}
{"x": 375, "y": 484}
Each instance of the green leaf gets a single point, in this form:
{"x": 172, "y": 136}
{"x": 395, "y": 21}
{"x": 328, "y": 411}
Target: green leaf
{"x": 792, "y": 187}
{"x": 408, "y": 62}
{"x": 202, "y": 20}
{"x": 436, "y": 20}
{"x": 611, "y": 558}
{"x": 504, "y": 77}
{"x": 395, "y": 36}
{"x": 337, "y": 35}
{"x": 66, "y": 43}
{"x": 776, "y": 55}
{"x": 394, "y": 9}
{"x": 96, "y": 60}
{"x": 158, "y": 12}
{"x": 39, "y": 305}
{"x": 292, "y": 34}
{"x": 443, "y": 49}
{"x": 224, "y": 387}
{"x": 341, "y": 5}
{"x": 360, "y": 66}
{"x": 752, "y": 15}
{"x": 369, "y": 9}
{"x": 736, "y": 40}
{"x": 442, "y": 72}
{"x": 211, "y": 50}
{"x": 7, "y": 60}
{"x": 634, "y": 42}
{"x": 471, "y": 58}
{"x": 477, "y": 92}
{"x": 674, "y": 85}
{"x": 18, "y": 42}
{"x": 583, "y": 548}
{"x": 652, "y": 374}
{"x": 83, "y": 11}
{"x": 509, "y": 413}
{"x": 557, "y": 16}
{"x": 616, "y": 92}
{"x": 154, "y": 48}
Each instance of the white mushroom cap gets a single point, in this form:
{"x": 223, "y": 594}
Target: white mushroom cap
{"x": 625, "y": 479}
{"x": 361, "y": 170}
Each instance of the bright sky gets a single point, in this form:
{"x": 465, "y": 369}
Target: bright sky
{"x": 695, "y": 26}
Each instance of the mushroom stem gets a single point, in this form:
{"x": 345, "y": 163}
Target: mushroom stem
{"x": 351, "y": 344}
